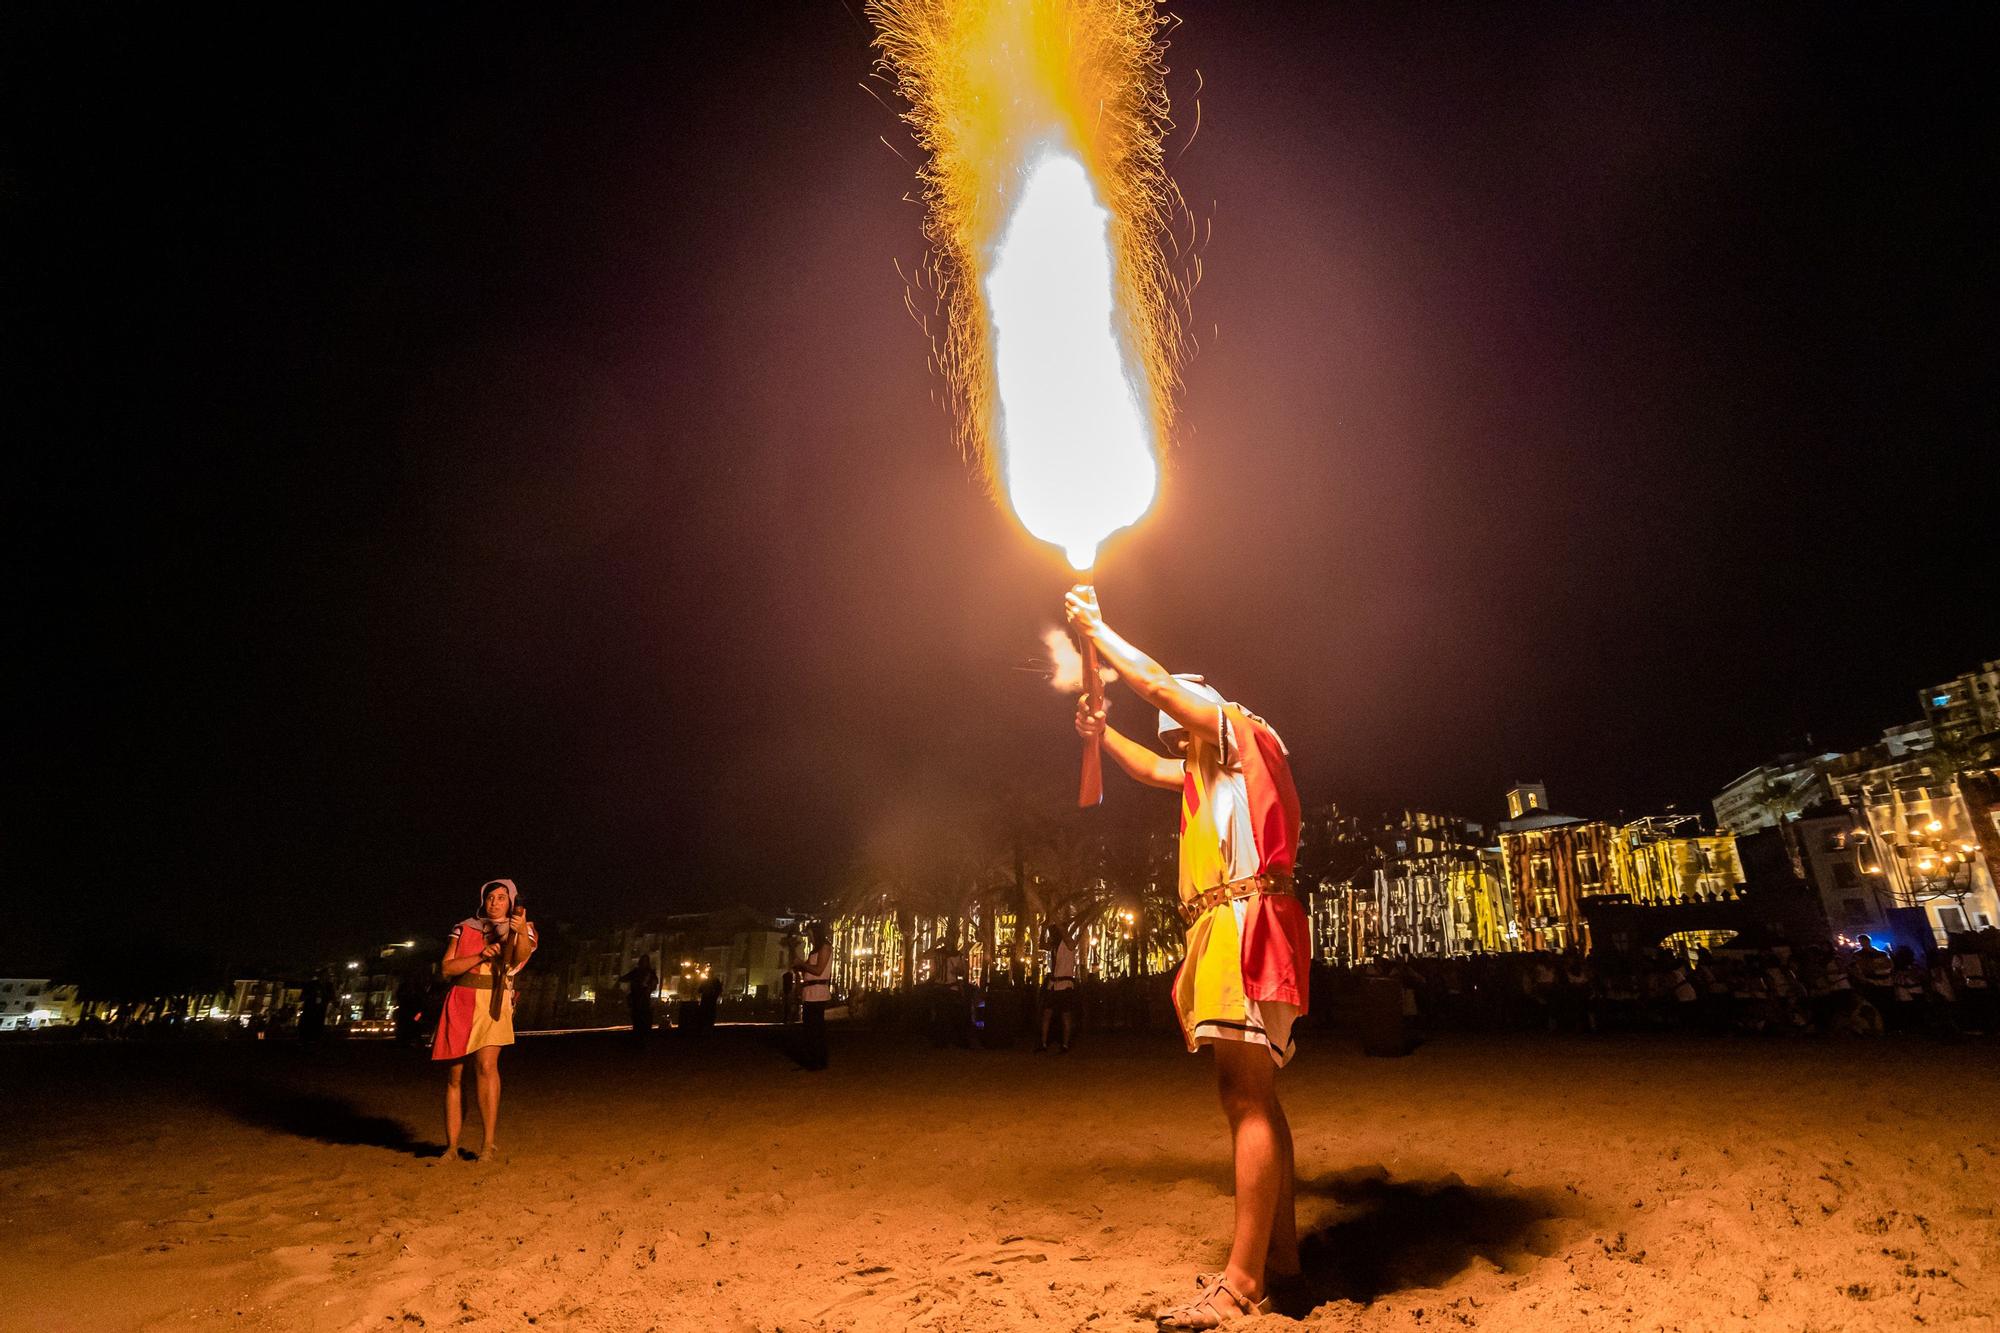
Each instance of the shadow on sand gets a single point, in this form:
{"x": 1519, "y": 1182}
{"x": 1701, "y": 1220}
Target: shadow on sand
{"x": 1390, "y": 1235}
{"x": 318, "y": 1116}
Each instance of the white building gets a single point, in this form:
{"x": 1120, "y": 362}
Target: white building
{"x": 1773, "y": 793}
{"x": 1966, "y": 706}
{"x": 27, "y": 1003}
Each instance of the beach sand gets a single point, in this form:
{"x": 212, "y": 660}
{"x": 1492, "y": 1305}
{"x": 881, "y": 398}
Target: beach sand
{"x": 1503, "y": 1183}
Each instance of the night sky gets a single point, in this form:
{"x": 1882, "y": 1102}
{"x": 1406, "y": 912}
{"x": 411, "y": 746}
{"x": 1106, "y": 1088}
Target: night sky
{"x": 452, "y": 442}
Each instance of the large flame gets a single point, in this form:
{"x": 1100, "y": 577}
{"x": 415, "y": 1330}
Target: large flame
{"x": 1046, "y": 198}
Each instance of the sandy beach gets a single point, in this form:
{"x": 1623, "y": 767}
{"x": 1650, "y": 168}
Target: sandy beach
{"x": 1496, "y": 1183}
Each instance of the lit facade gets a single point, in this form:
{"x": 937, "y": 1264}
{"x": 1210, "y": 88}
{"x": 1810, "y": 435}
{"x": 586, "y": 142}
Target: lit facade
{"x": 1928, "y": 848}
{"x": 28, "y": 1003}
{"x": 1659, "y": 861}
{"x": 1552, "y": 863}
{"x": 1966, "y": 707}
{"x": 1773, "y": 793}
{"x": 1414, "y": 883}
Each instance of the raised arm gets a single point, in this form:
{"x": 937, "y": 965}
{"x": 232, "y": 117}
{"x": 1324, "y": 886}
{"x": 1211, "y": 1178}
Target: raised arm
{"x": 1140, "y": 763}
{"x": 1147, "y": 678}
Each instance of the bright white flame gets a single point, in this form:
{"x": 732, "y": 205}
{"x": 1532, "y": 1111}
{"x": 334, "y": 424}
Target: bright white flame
{"x": 1074, "y": 430}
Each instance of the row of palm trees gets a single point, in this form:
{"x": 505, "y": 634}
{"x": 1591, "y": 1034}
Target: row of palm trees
{"x": 954, "y": 880}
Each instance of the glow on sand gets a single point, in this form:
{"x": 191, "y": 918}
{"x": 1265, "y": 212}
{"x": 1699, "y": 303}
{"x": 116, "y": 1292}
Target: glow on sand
{"x": 1046, "y": 198}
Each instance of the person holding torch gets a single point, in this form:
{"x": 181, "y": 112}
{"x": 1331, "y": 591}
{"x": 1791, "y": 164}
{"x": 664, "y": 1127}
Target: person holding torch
{"x": 481, "y": 958}
{"x": 1244, "y": 979}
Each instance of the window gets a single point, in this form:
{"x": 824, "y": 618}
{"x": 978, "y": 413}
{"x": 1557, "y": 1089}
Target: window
{"x": 1856, "y": 909}
{"x": 1844, "y": 876}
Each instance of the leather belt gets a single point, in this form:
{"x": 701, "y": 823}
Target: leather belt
{"x": 1272, "y": 885}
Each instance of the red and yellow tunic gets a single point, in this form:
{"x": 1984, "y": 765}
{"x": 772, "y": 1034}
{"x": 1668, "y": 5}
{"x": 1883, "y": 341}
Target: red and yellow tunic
{"x": 1246, "y": 974}
{"x": 467, "y": 1020}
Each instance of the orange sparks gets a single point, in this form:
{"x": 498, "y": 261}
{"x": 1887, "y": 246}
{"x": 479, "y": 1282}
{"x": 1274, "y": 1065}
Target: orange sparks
{"x": 1042, "y": 121}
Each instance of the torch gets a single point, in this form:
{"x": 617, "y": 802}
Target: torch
{"x": 1047, "y": 197}
{"x": 1090, "y": 788}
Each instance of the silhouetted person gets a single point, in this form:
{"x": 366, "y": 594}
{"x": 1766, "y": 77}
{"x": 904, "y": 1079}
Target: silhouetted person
{"x": 1059, "y": 1003}
{"x": 640, "y": 983}
{"x": 313, "y": 1001}
{"x": 815, "y": 994}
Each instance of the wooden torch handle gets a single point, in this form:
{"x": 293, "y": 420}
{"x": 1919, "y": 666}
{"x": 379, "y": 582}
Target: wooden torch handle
{"x": 1090, "y": 790}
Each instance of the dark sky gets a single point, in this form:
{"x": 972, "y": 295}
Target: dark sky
{"x": 450, "y": 442}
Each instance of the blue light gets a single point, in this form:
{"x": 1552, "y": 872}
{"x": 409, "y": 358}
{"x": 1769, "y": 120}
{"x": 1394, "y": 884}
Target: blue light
{"x": 1940, "y": 700}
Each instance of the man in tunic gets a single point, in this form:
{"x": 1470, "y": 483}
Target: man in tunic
{"x": 1244, "y": 978}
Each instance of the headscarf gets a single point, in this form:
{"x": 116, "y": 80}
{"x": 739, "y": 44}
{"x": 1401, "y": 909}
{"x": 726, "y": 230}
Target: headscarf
{"x": 486, "y": 925}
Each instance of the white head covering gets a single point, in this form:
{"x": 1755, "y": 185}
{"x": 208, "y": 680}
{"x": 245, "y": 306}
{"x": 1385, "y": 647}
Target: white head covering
{"x": 485, "y": 924}
{"x": 1169, "y": 725}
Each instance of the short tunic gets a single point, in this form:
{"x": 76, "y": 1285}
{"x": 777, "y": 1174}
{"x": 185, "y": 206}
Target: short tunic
{"x": 1246, "y": 973}
{"x": 467, "y": 1021}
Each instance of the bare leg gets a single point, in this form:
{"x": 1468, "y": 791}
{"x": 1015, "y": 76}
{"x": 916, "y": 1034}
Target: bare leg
{"x": 1284, "y": 1260}
{"x": 1248, "y": 1082}
{"x": 1048, "y": 1013}
{"x": 488, "y": 1058}
{"x": 454, "y": 1106}
{"x": 1068, "y": 1027}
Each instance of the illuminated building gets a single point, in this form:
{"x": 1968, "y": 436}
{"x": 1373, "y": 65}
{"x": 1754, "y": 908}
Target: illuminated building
{"x": 747, "y": 952}
{"x": 1927, "y": 845}
{"x": 1669, "y": 860}
{"x": 1527, "y": 798}
{"x": 1413, "y": 883}
{"x": 27, "y": 1003}
{"x": 1556, "y": 862}
{"x": 1830, "y": 856}
{"x": 1553, "y": 862}
{"x": 1965, "y": 708}
{"x": 1772, "y": 793}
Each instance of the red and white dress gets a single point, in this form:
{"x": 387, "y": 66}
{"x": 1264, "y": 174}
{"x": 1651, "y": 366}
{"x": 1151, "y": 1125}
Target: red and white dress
{"x": 470, "y": 1019}
{"x": 1247, "y": 971}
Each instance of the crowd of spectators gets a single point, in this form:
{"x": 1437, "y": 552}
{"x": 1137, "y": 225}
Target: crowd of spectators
{"x": 1859, "y": 990}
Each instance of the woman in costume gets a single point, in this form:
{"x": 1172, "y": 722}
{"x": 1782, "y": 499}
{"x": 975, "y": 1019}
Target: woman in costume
{"x": 480, "y": 961}
{"x": 1244, "y": 979}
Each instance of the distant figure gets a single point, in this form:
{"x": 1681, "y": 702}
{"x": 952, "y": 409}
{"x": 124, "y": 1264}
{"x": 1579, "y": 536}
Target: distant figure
{"x": 1873, "y": 972}
{"x": 640, "y": 984}
{"x": 411, "y": 994}
{"x": 1059, "y": 1010}
{"x": 815, "y": 994}
{"x": 711, "y": 996}
{"x": 788, "y": 994}
{"x": 1973, "y": 977}
{"x": 312, "y": 1010}
{"x": 477, "y": 1018}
